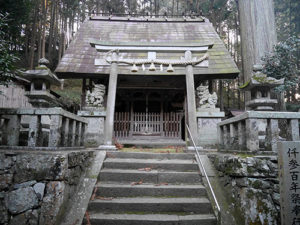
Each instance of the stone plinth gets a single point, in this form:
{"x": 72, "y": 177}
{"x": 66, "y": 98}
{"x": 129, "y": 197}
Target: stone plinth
{"x": 94, "y": 134}
{"x": 289, "y": 180}
{"x": 207, "y": 120}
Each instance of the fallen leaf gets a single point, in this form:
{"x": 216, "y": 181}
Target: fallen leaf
{"x": 87, "y": 216}
{"x": 145, "y": 169}
{"x": 94, "y": 193}
{"x": 136, "y": 183}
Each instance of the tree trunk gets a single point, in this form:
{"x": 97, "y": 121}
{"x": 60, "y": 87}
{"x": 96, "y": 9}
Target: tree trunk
{"x": 52, "y": 19}
{"x": 45, "y": 9}
{"x": 33, "y": 37}
{"x": 258, "y": 33}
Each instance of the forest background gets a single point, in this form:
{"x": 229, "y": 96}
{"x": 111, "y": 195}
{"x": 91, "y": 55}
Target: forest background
{"x": 33, "y": 29}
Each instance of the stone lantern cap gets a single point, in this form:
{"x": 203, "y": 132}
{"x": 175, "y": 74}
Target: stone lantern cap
{"x": 260, "y": 79}
{"x": 42, "y": 72}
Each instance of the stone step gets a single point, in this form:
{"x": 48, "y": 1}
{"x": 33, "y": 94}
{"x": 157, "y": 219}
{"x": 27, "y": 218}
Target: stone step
{"x": 126, "y": 190}
{"x": 153, "y": 176}
{"x": 158, "y": 164}
{"x": 151, "y": 219}
{"x": 147, "y": 204}
{"x": 146, "y": 155}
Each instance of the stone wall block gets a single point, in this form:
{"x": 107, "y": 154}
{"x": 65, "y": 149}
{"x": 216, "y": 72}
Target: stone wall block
{"x": 5, "y": 181}
{"x": 39, "y": 189}
{"x": 55, "y": 196}
{"x": 3, "y": 212}
{"x": 40, "y": 167}
{"x": 20, "y": 200}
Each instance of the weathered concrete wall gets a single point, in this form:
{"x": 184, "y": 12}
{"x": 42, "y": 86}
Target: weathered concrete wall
{"x": 35, "y": 187}
{"x": 252, "y": 183}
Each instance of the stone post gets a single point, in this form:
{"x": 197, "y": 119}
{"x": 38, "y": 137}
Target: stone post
{"x": 272, "y": 135}
{"x": 83, "y": 129}
{"x": 226, "y": 136}
{"x": 70, "y": 133}
{"x": 289, "y": 179}
{"x": 13, "y": 130}
{"x": 191, "y": 98}
{"x": 220, "y": 135}
{"x": 252, "y": 141}
{"x": 241, "y": 135}
{"x": 55, "y": 131}
{"x": 111, "y": 99}
{"x": 73, "y": 132}
{"x": 293, "y": 130}
{"x": 65, "y": 131}
{"x": 34, "y": 131}
{"x": 233, "y": 135}
{"x": 78, "y": 133}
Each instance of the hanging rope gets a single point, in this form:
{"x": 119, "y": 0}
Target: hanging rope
{"x": 155, "y": 61}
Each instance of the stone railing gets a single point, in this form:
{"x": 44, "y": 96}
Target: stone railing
{"x": 43, "y": 127}
{"x": 254, "y": 131}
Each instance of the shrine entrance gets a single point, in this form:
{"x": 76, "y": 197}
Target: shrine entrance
{"x": 149, "y": 114}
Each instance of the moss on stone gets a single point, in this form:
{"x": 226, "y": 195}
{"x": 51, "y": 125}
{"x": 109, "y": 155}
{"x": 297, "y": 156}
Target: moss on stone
{"x": 245, "y": 84}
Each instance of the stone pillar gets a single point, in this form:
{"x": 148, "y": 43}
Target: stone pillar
{"x": 34, "y": 131}
{"x": 111, "y": 99}
{"x": 272, "y": 135}
{"x": 293, "y": 130}
{"x": 72, "y": 132}
{"x": 83, "y": 129}
{"x": 226, "y": 137}
{"x": 13, "y": 130}
{"x": 220, "y": 135}
{"x": 55, "y": 131}
{"x": 233, "y": 136}
{"x": 78, "y": 133}
{"x": 252, "y": 141}
{"x": 241, "y": 135}
{"x": 191, "y": 98}
{"x": 65, "y": 131}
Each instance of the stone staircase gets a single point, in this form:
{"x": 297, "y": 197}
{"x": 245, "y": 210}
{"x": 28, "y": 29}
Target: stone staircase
{"x": 148, "y": 188}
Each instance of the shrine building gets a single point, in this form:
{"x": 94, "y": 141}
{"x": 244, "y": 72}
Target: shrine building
{"x": 140, "y": 76}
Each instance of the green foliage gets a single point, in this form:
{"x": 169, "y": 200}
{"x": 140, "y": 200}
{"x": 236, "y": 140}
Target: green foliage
{"x": 283, "y": 63}
{"x": 7, "y": 59}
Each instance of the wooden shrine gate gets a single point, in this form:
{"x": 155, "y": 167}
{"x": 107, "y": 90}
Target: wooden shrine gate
{"x": 129, "y": 125}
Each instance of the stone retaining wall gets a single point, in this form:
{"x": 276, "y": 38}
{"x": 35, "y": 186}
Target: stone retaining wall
{"x": 35, "y": 187}
{"x": 253, "y": 185}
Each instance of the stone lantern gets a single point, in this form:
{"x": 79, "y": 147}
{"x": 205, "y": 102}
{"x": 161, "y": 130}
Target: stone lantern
{"x": 260, "y": 87}
{"x": 41, "y": 79}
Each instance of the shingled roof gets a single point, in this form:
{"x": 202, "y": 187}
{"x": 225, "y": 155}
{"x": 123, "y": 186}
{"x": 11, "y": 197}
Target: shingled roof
{"x": 79, "y": 59}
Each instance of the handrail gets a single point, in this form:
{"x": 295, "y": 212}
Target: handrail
{"x": 205, "y": 174}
